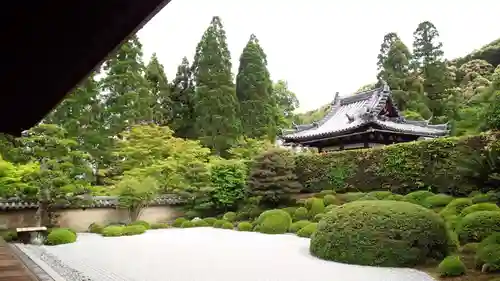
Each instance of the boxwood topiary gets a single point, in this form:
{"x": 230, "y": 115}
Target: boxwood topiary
{"x": 210, "y": 220}
{"x": 245, "y": 226}
{"x": 479, "y": 207}
{"x": 451, "y": 266}
{"x": 141, "y": 222}
{"x": 227, "y": 225}
{"x": 418, "y": 197}
{"x": 229, "y": 216}
{"x": 395, "y": 197}
{"x": 318, "y": 217}
{"x": 300, "y": 214}
{"x": 95, "y": 227}
{"x": 488, "y": 258}
{"x": 308, "y": 202}
{"x": 296, "y": 226}
{"x": 380, "y": 233}
{"x": 478, "y": 225}
{"x": 134, "y": 229}
{"x": 112, "y": 231}
{"x": 330, "y": 200}
{"x": 469, "y": 248}
{"x": 274, "y": 222}
{"x": 352, "y": 196}
{"x": 187, "y": 224}
{"x": 380, "y": 195}
{"x": 200, "y": 223}
{"x": 438, "y": 200}
{"x": 484, "y": 197}
{"x": 290, "y": 210}
{"x": 60, "y": 236}
{"x": 329, "y": 208}
{"x": 218, "y": 223}
{"x": 178, "y": 222}
{"x": 307, "y": 230}
{"x": 159, "y": 225}
{"x": 317, "y": 207}
{"x": 9, "y": 235}
{"x": 455, "y": 207}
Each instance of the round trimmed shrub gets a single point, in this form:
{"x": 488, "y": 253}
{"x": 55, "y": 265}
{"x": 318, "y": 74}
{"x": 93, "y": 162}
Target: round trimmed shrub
{"x": 218, "y": 223}
{"x": 178, "y": 222}
{"x": 134, "y": 229}
{"x": 9, "y": 236}
{"x": 451, "y": 266}
{"x": 96, "y": 228}
{"x": 61, "y": 236}
{"x": 490, "y": 240}
{"x": 290, "y": 210}
{"x": 455, "y": 207}
{"x": 200, "y": 223}
{"x": 380, "y": 195}
{"x": 318, "y": 217}
{"x": 418, "y": 197}
{"x": 300, "y": 214}
{"x": 245, "y": 226}
{"x": 469, "y": 248}
{"x": 317, "y": 207}
{"x": 479, "y": 207}
{"x": 324, "y": 193}
{"x": 308, "y": 202}
{"x": 229, "y": 216}
{"x": 484, "y": 198}
{"x": 380, "y": 233}
{"x": 227, "y": 225}
{"x": 353, "y": 196}
{"x": 477, "y": 226}
{"x": 329, "y": 208}
{"x": 307, "y": 230}
{"x": 488, "y": 258}
{"x": 187, "y": 224}
{"x": 395, "y": 197}
{"x": 330, "y": 200}
{"x": 438, "y": 200}
{"x": 210, "y": 220}
{"x": 159, "y": 225}
{"x": 140, "y": 222}
{"x": 274, "y": 222}
{"x": 298, "y": 225}
{"x": 113, "y": 231}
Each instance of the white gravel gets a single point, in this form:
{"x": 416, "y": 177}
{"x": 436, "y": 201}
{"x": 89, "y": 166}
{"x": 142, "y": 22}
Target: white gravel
{"x": 208, "y": 254}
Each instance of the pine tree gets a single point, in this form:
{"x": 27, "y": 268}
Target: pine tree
{"x": 182, "y": 95}
{"x": 394, "y": 62}
{"x": 216, "y": 107}
{"x": 160, "y": 91}
{"x": 255, "y": 93}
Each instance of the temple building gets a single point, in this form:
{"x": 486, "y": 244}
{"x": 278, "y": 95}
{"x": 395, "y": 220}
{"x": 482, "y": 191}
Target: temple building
{"x": 362, "y": 120}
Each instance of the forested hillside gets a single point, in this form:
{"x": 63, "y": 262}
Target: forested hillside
{"x": 427, "y": 86}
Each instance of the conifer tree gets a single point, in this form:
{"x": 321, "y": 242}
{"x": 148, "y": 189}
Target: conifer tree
{"x": 182, "y": 91}
{"x": 160, "y": 91}
{"x": 216, "y": 105}
{"x": 255, "y": 93}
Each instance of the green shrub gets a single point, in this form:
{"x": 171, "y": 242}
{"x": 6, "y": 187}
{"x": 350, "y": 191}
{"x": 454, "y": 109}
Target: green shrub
{"x": 60, "y": 236}
{"x": 178, "y": 222}
{"x": 438, "y": 200}
{"x": 245, "y": 226}
{"x": 210, "y": 221}
{"x": 143, "y": 223}
{"x": 352, "y": 196}
{"x": 307, "y": 230}
{"x": 229, "y": 216}
{"x": 191, "y": 214}
{"x": 112, "y": 231}
{"x": 455, "y": 207}
{"x": 187, "y": 224}
{"x": 451, "y": 266}
{"x": 318, "y": 217}
{"x": 308, "y": 203}
{"x": 159, "y": 225}
{"x": 395, "y": 197}
{"x": 317, "y": 207}
{"x": 227, "y": 225}
{"x": 200, "y": 223}
{"x": 368, "y": 197}
{"x": 490, "y": 240}
{"x": 300, "y": 214}
{"x": 329, "y": 208}
{"x": 330, "y": 199}
{"x": 291, "y": 210}
{"x": 380, "y": 195}
{"x": 469, "y": 248}
{"x": 484, "y": 198}
{"x": 380, "y": 233}
{"x": 479, "y": 207}
{"x": 296, "y": 226}
{"x": 488, "y": 258}
{"x": 418, "y": 197}
{"x": 9, "y": 235}
{"x": 478, "y": 225}
{"x": 274, "y": 222}
{"x": 134, "y": 229}
{"x": 324, "y": 193}
{"x": 95, "y": 228}
{"x": 218, "y": 223}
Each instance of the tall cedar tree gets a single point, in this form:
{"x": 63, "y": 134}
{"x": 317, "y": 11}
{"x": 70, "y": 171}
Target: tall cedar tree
{"x": 160, "y": 91}
{"x": 272, "y": 176}
{"x": 182, "y": 95}
{"x": 255, "y": 93}
{"x": 216, "y": 104}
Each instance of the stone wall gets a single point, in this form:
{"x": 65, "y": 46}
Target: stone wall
{"x": 79, "y": 219}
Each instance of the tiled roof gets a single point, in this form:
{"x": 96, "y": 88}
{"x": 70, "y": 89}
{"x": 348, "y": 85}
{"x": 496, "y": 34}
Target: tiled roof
{"x": 361, "y": 109}
{"x": 97, "y": 202}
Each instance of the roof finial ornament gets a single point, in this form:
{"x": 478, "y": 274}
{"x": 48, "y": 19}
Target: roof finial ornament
{"x": 336, "y": 99}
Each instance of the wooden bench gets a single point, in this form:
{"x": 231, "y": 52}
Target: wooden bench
{"x": 27, "y": 235}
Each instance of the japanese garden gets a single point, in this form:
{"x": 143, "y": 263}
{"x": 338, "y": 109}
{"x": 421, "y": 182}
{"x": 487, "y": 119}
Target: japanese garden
{"x": 401, "y": 177}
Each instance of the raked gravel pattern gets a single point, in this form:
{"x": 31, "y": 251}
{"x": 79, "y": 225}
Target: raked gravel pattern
{"x": 203, "y": 254}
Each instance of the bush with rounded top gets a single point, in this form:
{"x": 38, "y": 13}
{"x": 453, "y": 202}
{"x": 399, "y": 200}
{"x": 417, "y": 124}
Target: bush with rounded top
{"x": 296, "y": 226}
{"x": 218, "y": 223}
{"x": 290, "y": 210}
{"x": 229, "y": 216}
{"x": 395, "y": 197}
{"x": 178, "y": 222}
{"x": 307, "y": 230}
{"x": 329, "y": 208}
{"x": 309, "y": 202}
{"x": 488, "y": 258}
{"x": 492, "y": 239}
{"x": 484, "y": 198}
{"x": 159, "y": 225}
{"x": 300, "y": 214}
{"x": 141, "y": 222}
{"x": 317, "y": 207}
{"x": 318, "y": 217}
{"x": 330, "y": 199}
{"x": 60, "y": 236}
{"x": 418, "y": 197}
{"x": 469, "y": 248}
{"x": 438, "y": 200}
{"x": 227, "y": 225}
{"x": 9, "y": 236}
{"x": 324, "y": 193}
{"x": 113, "y": 230}
{"x": 380, "y": 195}
{"x": 210, "y": 220}
{"x": 187, "y": 224}
{"x": 245, "y": 226}
{"x": 451, "y": 266}
{"x": 479, "y": 207}
{"x": 134, "y": 229}
{"x": 274, "y": 222}
{"x": 380, "y": 233}
{"x": 200, "y": 223}
{"x": 352, "y": 196}
{"x": 96, "y": 227}
{"x": 478, "y": 225}
{"x": 455, "y": 207}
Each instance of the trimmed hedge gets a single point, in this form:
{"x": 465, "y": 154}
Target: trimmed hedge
{"x": 317, "y": 207}
{"x": 96, "y": 228}
{"x": 478, "y": 225}
{"x": 159, "y": 225}
{"x": 400, "y": 168}
{"x": 298, "y": 225}
{"x": 134, "y": 229}
{"x": 59, "y": 236}
{"x": 245, "y": 226}
{"x": 455, "y": 207}
{"x": 229, "y": 216}
{"x": 438, "y": 200}
{"x": 140, "y": 222}
{"x": 113, "y": 231}
{"x": 381, "y": 233}
{"x": 479, "y": 207}
{"x": 187, "y": 224}
{"x": 451, "y": 266}
{"x": 418, "y": 197}
{"x": 178, "y": 222}
{"x": 210, "y": 220}
{"x": 219, "y": 223}
{"x": 488, "y": 258}
{"x": 330, "y": 199}
{"x": 273, "y": 222}
{"x": 227, "y": 225}
{"x": 307, "y": 230}
{"x": 318, "y": 217}
{"x": 200, "y": 223}
{"x": 300, "y": 214}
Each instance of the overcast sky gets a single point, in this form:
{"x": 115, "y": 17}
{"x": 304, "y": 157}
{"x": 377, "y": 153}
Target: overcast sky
{"x": 318, "y": 46}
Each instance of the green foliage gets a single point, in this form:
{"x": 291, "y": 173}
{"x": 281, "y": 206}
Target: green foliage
{"x": 381, "y": 233}
{"x": 330, "y": 199}
{"x": 455, "y": 207}
{"x": 469, "y": 248}
{"x": 178, "y": 222}
{"x": 478, "y": 225}
{"x": 134, "y": 195}
{"x": 329, "y": 208}
{"x": 133, "y": 229}
{"x": 291, "y": 210}
{"x": 210, "y": 221}
{"x": 437, "y": 200}
{"x": 229, "y": 216}
{"x": 380, "y": 195}
{"x": 96, "y": 228}
{"x": 219, "y": 223}
{"x": 307, "y": 230}
{"x": 352, "y": 196}
{"x": 9, "y": 235}
{"x": 479, "y": 207}
{"x": 228, "y": 178}
{"x": 145, "y": 224}
{"x": 451, "y": 266}
{"x": 273, "y": 222}
{"x": 418, "y": 197}
{"x": 187, "y": 224}
{"x": 200, "y": 223}
{"x": 227, "y": 225}
{"x": 318, "y": 217}
{"x": 112, "y": 231}
{"x": 485, "y": 197}
{"x": 60, "y": 236}
{"x": 298, "y": 225}
{"x": 488, "y": 258}
{"x": 300, "y": 214}
{"x": 317, "y": 207}
{"x": 245, "y": 226}
{"x": 160, "y": 225}
{"x": 395, "y": 197}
